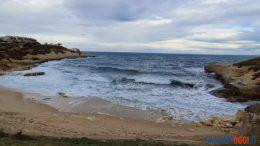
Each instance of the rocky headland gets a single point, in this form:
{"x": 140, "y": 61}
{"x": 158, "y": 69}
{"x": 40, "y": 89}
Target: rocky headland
{"x": 21, "y": 53}
{"x": 241, "y": 83}
{"x": 241, "y": 80}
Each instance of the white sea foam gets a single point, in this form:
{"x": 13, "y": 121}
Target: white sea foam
{"x": 138, "y": 86}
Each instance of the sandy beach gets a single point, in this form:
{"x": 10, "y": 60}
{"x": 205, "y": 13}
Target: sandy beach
{"x": 18, "y": 113}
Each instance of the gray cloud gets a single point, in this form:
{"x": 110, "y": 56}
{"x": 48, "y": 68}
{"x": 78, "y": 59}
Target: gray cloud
{"x": 172, "y": 26}
{"x": 119, "y": 10}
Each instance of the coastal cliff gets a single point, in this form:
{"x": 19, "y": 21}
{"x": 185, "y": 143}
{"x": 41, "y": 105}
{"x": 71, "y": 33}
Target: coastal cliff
{"x": 21, "y": 53}
{"x": 241, "y": 80}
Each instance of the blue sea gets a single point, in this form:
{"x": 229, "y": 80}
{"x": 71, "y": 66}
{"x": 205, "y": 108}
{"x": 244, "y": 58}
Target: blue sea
{"x": 173, "y": 82}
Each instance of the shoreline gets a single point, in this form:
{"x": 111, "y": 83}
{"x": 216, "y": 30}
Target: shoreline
{"x": 86, "y": 105}
{"x": 93, "y": 104}
{"x": 18, "y": 113}
{"x": 94, "y": 117}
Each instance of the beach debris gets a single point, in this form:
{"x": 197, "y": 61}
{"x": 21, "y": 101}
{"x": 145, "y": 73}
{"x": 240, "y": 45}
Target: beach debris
{"x": 91, "y": 118}
{"x": 34, "y": 74}
{"x": 163, "y": 119}
{"x": 62, "y": 94}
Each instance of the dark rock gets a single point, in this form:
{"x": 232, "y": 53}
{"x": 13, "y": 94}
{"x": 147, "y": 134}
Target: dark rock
{"x": 62, "y": 94}
{"x": 253, "y": 108}
{"x": 20, "y": 136}
{"x": 209, "y": 86}
{"x": 34, "y": 74}
{"x": 229, "y": 94}
{"x": 256, "y": 76}
{"x": 181, "y": 84}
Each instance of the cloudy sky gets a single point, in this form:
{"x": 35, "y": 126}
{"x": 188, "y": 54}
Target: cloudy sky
{"x": 164, "y": 26}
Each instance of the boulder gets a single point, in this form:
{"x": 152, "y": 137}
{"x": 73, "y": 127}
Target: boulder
{"x": 62, "y": 94}
{"x": 181, "y": 84}
{"x": 34, "y": 74}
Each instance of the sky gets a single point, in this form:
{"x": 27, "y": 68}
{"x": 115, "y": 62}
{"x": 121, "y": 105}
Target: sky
{"x": 154, "y": 26}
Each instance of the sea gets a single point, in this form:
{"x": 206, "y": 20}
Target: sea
{"x": 175, "y": 83}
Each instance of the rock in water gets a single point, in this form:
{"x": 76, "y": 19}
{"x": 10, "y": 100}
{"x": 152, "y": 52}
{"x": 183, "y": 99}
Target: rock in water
{"x": 181, "y": 84}
{"x": 62, "y": 94}
{"x": 34, "y": 74}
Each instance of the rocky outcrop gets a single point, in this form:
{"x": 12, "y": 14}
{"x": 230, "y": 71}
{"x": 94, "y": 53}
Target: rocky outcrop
{"x": 225, "y": 122}
{"x": 17, "y": 39}
{"x": 21, "y": 53}
{"x": 244, "y": 122}
{"x": 241, "y": 80}
{"x": 253, "y": 108}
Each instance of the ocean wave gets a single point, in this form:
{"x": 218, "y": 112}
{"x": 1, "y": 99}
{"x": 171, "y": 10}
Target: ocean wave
{"x": 120, "y": 70}
{"x": 138, "y": 72}
{"x": 173, "y": 83}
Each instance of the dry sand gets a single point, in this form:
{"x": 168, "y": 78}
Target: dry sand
{"x": 18, "y": 113}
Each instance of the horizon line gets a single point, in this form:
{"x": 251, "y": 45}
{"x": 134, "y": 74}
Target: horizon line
{"x": 170, "y": 53}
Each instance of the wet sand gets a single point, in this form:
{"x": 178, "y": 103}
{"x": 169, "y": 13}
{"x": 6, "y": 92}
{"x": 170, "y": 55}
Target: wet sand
{"x": 82, "y": 105}
{"x": 118, "y": 122}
